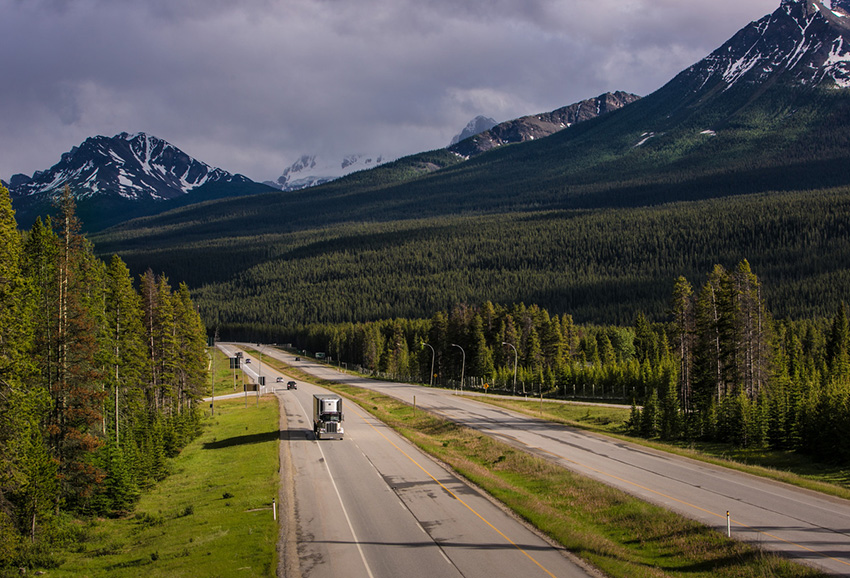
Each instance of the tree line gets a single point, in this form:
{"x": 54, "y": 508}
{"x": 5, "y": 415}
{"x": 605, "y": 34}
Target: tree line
{"x": 721, "y": 368}
{"x": 99, "y": 381}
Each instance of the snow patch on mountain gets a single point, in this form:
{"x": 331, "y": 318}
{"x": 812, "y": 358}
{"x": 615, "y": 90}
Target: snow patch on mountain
{"x": 133, "y": 166}
{"x": 313, "y": 170}
{"x": 804, "y": 40}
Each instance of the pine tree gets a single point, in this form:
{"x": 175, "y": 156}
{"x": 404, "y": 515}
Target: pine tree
{"x": 125, "y": 335}
{"x": 77, "y": 391}
{"x": 191, "y": 348}
{"x": 838, "y": 358}
{"x": 683, "y": 323}
{"x": 481, "y": 356}
{"x": 27, "y": 474}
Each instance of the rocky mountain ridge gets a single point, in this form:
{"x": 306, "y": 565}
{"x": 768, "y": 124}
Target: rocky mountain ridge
{"x": 132, "y": 167}
{"x": 539, "y": 126}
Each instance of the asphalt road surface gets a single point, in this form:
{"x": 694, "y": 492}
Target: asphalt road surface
{"x": 371, "y": 505}
{"x": 800, "y": 524}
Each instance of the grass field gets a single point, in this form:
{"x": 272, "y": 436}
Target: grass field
{"x": 224, "y": 376}
{"x": 212, "y": 517}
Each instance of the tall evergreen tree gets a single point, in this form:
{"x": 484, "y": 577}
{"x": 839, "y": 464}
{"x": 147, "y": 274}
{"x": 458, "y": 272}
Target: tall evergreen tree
{"x": 683, "y": 323}
{"x": 77, "y": 391}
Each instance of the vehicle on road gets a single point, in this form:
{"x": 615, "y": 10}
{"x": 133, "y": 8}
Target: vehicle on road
{"x": 297, "y": 359}
{"x": 247, "y": 360}
{"x": 327, "y": 415}
{"x": 279, "y": 380}
{"x": 291, "y": 385}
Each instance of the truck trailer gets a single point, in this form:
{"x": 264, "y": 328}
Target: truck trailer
{"x": 327, "y": 416}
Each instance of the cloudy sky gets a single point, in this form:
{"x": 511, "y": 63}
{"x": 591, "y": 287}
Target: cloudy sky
{"x": 250, "y": 85}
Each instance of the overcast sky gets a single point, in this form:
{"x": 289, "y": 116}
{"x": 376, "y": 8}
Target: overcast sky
{"x": 250, "y": 85}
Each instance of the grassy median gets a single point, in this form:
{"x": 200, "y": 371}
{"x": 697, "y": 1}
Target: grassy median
{"x": 784, "y": 466}
{"x": 212, "y": 517}
{"x": 621, "y": 535}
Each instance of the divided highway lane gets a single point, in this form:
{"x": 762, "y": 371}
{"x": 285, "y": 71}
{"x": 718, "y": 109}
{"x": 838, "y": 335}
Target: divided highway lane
{"x": 800, "y": 524}
{"x": 372, "y": 505}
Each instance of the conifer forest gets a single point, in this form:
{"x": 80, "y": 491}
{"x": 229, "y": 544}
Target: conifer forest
{"x": 99, "y": 381}
{"x": 720, "y": 369}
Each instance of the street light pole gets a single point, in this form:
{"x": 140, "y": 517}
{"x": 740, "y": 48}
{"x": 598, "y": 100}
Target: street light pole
{"x": 516, "y": 356}
{"x": 433, "y": 355}
{"x": 212, "y": 359}
{"x": 259, "y": 373}
{"x": 462, "y": 366}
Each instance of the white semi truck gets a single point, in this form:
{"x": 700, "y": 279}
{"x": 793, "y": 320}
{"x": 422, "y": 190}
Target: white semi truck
{"x": 327, "y": 416}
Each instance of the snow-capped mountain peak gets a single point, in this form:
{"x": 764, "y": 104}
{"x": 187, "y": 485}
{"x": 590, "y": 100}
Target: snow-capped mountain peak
{"x": 476, "y": 126}
{"x": 133, "y": 166}
{"x": 803, "y": 42}
{"x": 313, "y": 170}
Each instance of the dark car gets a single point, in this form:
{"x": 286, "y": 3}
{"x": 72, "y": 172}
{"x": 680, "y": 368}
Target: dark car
{"x": 297, "y": 359}
{"x": 291, "y": 385}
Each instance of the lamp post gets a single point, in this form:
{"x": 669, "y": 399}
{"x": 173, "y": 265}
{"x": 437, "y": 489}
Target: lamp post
{"x": 259, "y": 373}
{"x": 462, "y": 365}
{"x": 433, "y": 355}
{"x": 516, "y": 357}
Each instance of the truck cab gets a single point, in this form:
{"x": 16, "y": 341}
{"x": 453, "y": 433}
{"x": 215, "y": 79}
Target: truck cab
{"x": 327, "y": 416}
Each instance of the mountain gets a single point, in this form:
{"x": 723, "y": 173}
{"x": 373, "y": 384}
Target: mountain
{"x": 803, "y": 43}
{"x": 480, "y": 135}
{"x": 743, "y": 155}
{"x": 133, "y": 167}
{"x": 476, "y": 126}
{"x": 539, "y": 125}
{"x": 132, "y": 174}
{"x": 313, "y": 170}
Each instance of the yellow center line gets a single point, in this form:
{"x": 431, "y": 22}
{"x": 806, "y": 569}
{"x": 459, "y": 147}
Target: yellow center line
{"x": 456, "y": 497}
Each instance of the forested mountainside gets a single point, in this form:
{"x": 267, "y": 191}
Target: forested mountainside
{"x": 742, "y": 156}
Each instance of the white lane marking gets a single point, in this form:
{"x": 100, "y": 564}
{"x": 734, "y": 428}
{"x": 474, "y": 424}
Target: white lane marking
{"x": 342, "y": 504}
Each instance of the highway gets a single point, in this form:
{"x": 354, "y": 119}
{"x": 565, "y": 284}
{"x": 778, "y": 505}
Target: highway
{"x": 371, "y": 505}
{"x": 800, "y": 524}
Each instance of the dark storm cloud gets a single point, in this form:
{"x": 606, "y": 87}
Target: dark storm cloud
{"x": 251, "y": 85}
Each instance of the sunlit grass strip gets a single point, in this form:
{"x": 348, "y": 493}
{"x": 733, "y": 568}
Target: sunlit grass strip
{"x": 788, "y": 467}
{"x": 211, "y": 517}
{"x": 621, "y": 535}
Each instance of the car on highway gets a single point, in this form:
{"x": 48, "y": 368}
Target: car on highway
{"x": 279, "y": 380}
{"x": 297, "y": 359}
{"x": 291, "y": 385}
{"x": 247, "y": 360}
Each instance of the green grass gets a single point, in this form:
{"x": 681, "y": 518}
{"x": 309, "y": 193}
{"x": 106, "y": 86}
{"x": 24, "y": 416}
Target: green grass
{"x": 211, "y": 517}
{"x": 621, "y": 535}
{"x": 784, "y": 466}
{"x": 223, "y": 378}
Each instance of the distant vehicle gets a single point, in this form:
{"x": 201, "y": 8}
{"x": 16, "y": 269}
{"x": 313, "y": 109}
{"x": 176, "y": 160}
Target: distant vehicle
{"x": 279, "y": 380}
{"x": 327, "y": 416}
{"x": 297, "y": 359}
{"x": 247, "y": 360}
{"x": 291, "y": 385}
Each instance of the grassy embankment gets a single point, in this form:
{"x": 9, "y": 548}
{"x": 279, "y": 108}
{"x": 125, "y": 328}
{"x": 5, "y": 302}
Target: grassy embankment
{"x": 623, "y": 536}
{"x": 783, "y": 466}
{"x": 224, "y": 379}
{"x": 211, "y": 517}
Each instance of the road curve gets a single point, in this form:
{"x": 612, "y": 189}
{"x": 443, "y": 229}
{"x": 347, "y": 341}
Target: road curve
{"x": 804, "y": 525}
{"x": 374, "y": 506}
